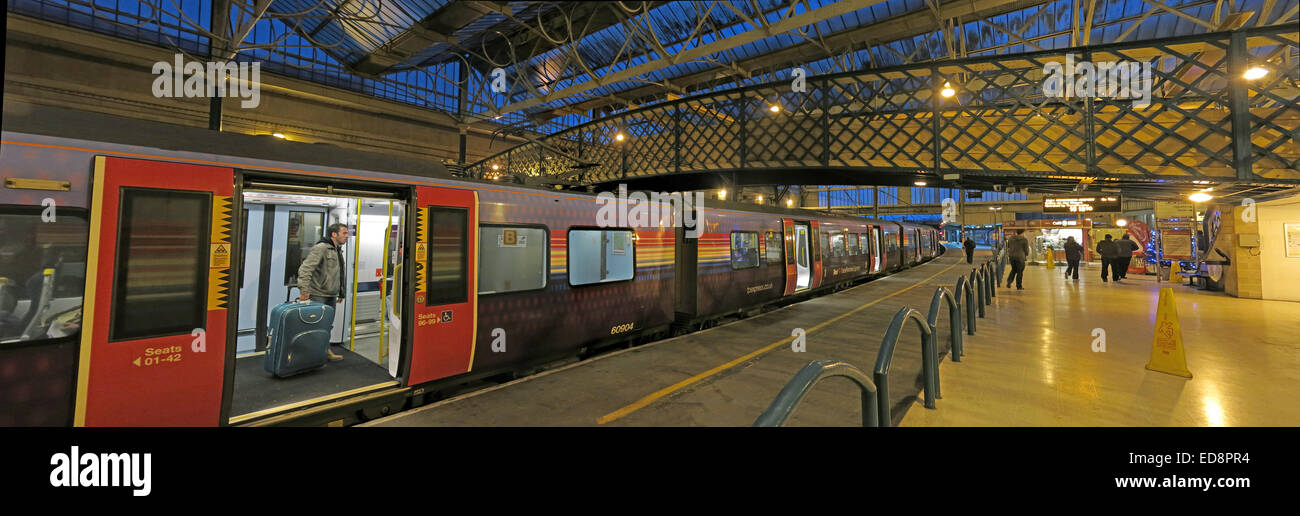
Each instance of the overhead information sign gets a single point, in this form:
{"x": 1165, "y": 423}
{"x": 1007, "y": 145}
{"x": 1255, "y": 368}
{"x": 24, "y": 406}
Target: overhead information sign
{"x": 1081, "y": 204}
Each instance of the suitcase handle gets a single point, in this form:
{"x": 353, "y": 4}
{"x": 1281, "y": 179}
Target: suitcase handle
{"x": 290, "y": 298}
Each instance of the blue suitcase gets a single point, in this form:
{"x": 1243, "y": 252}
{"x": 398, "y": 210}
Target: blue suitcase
{"x": 298, "y": 338}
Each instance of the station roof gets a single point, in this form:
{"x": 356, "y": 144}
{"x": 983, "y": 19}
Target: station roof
{"x": 566, "y": 63}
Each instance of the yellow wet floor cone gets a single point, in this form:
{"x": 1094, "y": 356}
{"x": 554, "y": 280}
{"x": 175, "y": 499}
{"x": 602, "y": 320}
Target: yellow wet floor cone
{"x": 1051, "y": 259}
{"x": 1167, "y": 347}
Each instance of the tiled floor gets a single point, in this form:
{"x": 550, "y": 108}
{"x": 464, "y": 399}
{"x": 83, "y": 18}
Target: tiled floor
{"x": 1032, "y": 362}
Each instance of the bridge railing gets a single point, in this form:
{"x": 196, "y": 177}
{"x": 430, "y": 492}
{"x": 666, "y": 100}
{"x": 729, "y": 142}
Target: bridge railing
{"x": 1200, "y": 121}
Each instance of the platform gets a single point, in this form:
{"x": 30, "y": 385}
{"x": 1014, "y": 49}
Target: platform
{"x": 1035, "y": 365}
{"x": 727, "y": 375}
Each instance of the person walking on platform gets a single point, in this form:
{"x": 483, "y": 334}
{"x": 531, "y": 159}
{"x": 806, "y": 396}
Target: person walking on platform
{"x": 1126, "y": 248}
{"x": 970, "y": 250}
{"x": 320, "y": 277}
{"x": 1110, "y": 253}
{"x": 1073, "y": 253}
{"x": 1017, "y": 252}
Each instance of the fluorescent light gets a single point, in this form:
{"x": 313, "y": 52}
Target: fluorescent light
{"x": 1200, "y": 197}
{"x": 1257, "y": 72}
{"x": 919, "y": 183}
{"x": 278, "y": 135}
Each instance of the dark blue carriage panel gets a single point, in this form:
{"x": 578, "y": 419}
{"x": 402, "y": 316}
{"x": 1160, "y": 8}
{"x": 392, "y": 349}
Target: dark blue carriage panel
{"x": 567, "y": 313}
{"x": 737, "y": 267}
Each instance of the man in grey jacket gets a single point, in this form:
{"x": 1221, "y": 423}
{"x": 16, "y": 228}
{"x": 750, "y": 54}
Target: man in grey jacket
{"x": 320, "y": 277}
{"x": 1017, "y": 253}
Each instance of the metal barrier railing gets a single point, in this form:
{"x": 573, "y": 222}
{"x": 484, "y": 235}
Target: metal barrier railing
{"x": 929, "y": 360}
{"x": 794, "y": 391}
{"x": 954, "y": 318}
{"x": 973, "y": 290}
{"x": 993, "y": 292}
{"x": 963, "y": 288}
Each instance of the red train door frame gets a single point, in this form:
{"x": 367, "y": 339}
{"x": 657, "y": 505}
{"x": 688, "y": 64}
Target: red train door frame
{"x": 815, "y": 245}
{"x": 151, "y": 371}
{"x": 791, "y": 278}
{"x": 445, "y": 314}
{"x": 869, "y": 247}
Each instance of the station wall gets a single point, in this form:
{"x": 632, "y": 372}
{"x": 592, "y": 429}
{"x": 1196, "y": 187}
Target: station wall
{"x": 1280, "y": 274}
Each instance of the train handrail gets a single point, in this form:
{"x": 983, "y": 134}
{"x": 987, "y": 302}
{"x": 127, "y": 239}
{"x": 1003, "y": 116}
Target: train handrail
{"x": 810, "y": 375}
{"x": 954, "y": 319}
{"x": 929, "y": 359}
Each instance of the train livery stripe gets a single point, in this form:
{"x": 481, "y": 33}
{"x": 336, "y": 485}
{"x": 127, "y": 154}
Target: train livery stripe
{"x": 88, "y": 297}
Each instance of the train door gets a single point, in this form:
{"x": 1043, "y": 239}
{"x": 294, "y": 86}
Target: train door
{"x": 817, "y": 250}
{"x": 877, "y": 248}
{"x": 446, "y": 281}
{"x": 285, "y": 222}
{"x": 803, "y": 257}
{"x": 153, "y": 342}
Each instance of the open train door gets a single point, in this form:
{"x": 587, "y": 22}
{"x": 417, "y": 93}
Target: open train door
{"x": 446, "y": 283}
{"x": 153, "y": 340}
{"x": 814, "y": 243}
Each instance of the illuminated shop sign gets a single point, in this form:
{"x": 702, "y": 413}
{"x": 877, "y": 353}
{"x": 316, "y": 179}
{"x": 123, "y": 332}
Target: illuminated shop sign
{"x": 1081, "y": 204}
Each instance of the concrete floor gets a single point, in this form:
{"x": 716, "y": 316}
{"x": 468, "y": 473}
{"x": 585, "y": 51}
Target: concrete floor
{"x": 725, "y": 376}
{"x": 1033, "y": 363}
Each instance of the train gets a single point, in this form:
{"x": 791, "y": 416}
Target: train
{"x": 138, "y": 261}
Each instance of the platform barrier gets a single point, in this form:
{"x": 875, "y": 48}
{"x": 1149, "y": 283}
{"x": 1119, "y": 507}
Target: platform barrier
{"x": 794, "y": 391}
{"x": 963, "y": 287}
{"x": 973, "y": 291}
{"x": 929, "y": 360}
{"x": 954, "y": 318}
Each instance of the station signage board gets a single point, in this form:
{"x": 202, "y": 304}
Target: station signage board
{"x": 1082, "y": 204}
{"x": 1175, "y": 210}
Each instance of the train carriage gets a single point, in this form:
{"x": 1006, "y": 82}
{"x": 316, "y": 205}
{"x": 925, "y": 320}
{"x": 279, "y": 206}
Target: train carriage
{"x": 140, "y": 260}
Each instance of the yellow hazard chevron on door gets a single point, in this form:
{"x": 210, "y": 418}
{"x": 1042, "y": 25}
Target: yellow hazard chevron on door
{"x": 219, "y": 253}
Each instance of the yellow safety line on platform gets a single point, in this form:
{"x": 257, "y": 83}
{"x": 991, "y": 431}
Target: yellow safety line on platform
{"x": 643, "y": 402}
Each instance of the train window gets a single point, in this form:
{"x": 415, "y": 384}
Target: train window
{"x": 601, "y": 256}
{"x": 825, "y": 247}
{"x": 511, "y": 258}
{"x": 773, "y": 246}
{"x": 448, "y": 260}
{"x": 162, "y": 260}
{"x": 865, "y": 244}
{"x": 837, "y": 244}
{"x": 744, "y": 250}
{"x": 306, "y": 228}
{"x": 29, "y": 246}
{"x": 851, "y": 241}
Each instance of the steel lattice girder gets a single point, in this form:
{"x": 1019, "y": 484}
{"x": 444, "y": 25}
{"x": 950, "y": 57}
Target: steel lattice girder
{"x": 999, "y": 123}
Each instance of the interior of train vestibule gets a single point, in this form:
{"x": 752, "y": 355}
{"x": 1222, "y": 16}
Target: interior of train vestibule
{"x": 279, "y": 229}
